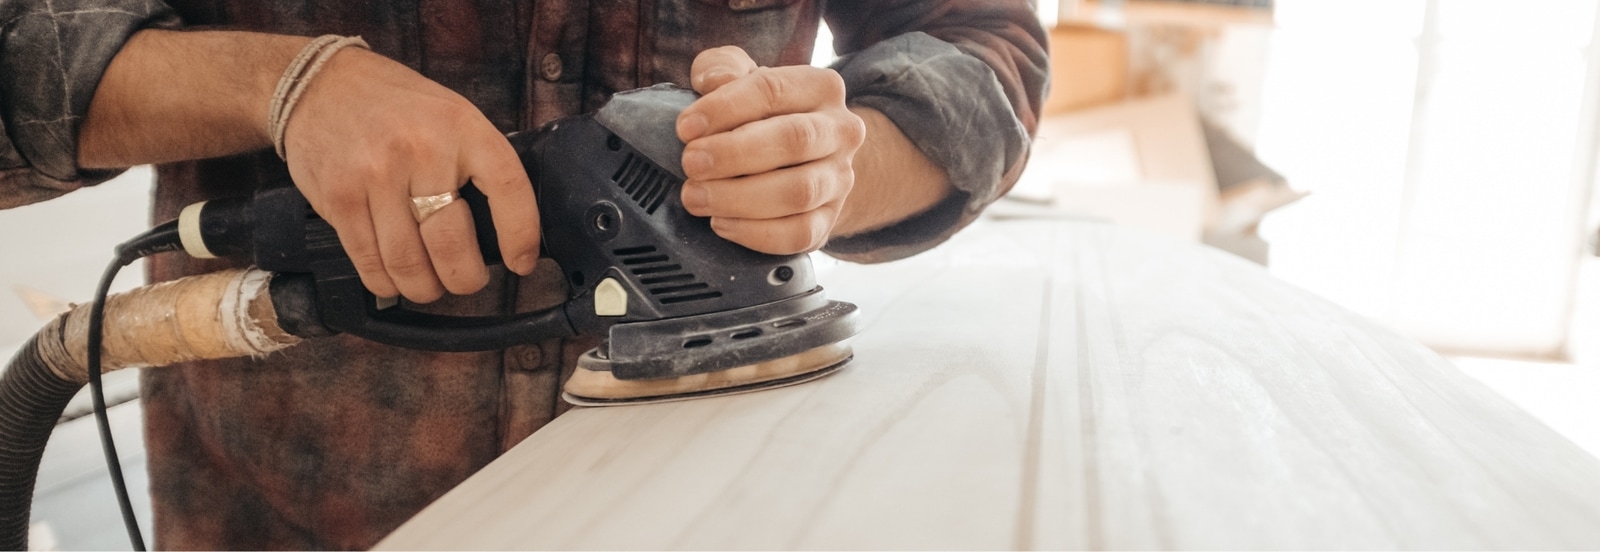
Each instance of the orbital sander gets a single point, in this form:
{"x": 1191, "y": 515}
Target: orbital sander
{"x": 684, "y": 313}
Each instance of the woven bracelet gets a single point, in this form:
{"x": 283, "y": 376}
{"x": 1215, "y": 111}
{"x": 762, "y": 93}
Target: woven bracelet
{"x": 296, "y": 77}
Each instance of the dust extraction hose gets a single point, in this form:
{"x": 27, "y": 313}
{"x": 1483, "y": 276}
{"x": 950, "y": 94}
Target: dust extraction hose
{"x": 212, "y": 316}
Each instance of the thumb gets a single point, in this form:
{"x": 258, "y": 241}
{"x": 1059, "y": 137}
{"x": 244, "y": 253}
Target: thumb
{"x": 718, "y": 66}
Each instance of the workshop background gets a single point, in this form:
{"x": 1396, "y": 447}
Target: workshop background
{"x": 1427, "y": 163}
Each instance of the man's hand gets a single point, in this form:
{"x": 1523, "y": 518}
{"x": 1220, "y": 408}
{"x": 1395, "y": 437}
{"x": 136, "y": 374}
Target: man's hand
{"x": 370, "y": 134}
{"x": 367, "y": 136}
{"x": 768, "y": 151}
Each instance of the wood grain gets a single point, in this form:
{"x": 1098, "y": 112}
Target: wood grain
{"x": 1055, "y": 385}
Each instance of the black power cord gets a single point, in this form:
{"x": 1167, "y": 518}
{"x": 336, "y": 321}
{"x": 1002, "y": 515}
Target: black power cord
{"x": 155, "y": 240}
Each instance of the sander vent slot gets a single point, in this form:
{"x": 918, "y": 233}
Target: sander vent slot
{"x": 688, "y": 298}
{"x": 653, "y": 280}
{"x": 675, "y": 289}
{"x": 659, "y": 269}
{"x": 647, "y": 259}
{"x": 629, "y": 165}
{"x": 644, "y": 182}
{"x": 666, "y": 281}
{"x": 746, "y": 333}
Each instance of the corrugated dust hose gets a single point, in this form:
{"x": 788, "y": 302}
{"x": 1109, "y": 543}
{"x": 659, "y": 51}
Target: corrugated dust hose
{"x": 220, "y": 315}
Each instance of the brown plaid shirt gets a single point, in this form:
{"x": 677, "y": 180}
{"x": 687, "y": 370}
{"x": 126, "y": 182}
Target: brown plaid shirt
{"x": 337, "y": 441}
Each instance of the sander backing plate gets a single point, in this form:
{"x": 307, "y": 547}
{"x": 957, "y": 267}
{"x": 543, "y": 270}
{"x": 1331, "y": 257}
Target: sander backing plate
{"x": 597, "y": 387}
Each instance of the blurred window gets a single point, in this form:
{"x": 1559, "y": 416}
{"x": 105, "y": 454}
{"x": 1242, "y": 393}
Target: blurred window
{"x": 1449, "y": 149}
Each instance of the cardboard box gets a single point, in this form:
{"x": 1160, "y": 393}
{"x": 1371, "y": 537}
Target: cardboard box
{"x": 1169, "y": 12}
{"x": 1140, "y": 163}
{"x": 1088, "y": 67}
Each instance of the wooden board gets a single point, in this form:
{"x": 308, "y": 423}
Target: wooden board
{"x": 1055, "y": 385}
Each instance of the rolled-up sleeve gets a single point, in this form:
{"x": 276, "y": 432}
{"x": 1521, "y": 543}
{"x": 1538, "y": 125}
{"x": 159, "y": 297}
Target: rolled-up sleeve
{"x": 963, "y": 79}
{"x": 52, "y": 55}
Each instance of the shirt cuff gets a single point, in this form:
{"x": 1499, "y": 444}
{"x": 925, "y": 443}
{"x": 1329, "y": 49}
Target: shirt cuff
{"x": 953, "y": 108}
{"x": 52, "y": 56}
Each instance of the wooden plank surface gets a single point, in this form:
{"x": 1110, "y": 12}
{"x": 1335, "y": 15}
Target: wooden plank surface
{"x": 1055, "y": 384}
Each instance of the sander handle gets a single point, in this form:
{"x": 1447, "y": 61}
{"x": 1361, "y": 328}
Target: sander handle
{"x": 317, "y": 296}
{"x": 307, "y": 308}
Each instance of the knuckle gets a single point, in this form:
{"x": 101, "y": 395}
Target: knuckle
{"x": 854, "y": 129}
{"x": 800, "y": 134}
{"x": 843, "y": 169}
{"x": 407, "y": 261}
{"x": 403, "y": 145}
{"x": 452, "y": 240}
{"x": 770, "y": 86}
{"x": 366, "y": 262}
{"x": 830, "y": 84}
{"x": 342, "y": 201}
{"x": 805, "y": 193}
{"x": 362, "y": 171}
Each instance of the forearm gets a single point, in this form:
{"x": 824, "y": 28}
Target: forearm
{"x": 893, "y": 179}
{"x": 171, "y": 96}
{"x": 961, "y": 79}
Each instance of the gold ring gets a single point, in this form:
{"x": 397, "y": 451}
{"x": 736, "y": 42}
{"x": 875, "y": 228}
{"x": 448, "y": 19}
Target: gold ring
{"x": 425, "y": 206}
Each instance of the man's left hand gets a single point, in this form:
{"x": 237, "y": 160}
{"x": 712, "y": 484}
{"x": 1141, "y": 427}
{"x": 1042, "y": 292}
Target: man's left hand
{"x": 768, "y": 151}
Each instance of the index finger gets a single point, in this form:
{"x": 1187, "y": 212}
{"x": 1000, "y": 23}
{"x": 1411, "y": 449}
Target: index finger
{"x": 765, "y": 93}
{"x": 494, "y": 167}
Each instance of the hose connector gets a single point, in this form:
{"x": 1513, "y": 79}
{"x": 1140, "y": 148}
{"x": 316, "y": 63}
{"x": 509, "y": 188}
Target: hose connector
{"x": 217, "y": 228}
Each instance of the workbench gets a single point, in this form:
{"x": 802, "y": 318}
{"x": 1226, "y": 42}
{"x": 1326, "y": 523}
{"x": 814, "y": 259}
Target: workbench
{"x": 1055, "y": 384}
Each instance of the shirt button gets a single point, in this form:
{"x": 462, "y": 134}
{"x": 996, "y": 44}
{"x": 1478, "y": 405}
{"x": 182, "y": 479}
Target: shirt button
{"x": 530, "y": 358}
{"x": 550, "y": 67}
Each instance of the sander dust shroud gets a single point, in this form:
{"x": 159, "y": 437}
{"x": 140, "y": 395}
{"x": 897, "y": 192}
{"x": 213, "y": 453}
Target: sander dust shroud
{"x": 684, "y": 313}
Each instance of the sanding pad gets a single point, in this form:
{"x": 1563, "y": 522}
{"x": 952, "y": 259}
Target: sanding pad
{"x": 594, "y": 385}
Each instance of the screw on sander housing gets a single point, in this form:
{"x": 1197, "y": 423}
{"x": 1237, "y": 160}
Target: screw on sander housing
{"x": 608, "y": 187}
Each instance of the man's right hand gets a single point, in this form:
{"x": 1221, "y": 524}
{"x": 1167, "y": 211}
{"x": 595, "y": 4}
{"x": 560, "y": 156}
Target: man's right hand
{"x": 367, "y": 135}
